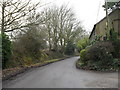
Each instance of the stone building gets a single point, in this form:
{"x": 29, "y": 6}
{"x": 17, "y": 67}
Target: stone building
{"x": 100, "y": 28}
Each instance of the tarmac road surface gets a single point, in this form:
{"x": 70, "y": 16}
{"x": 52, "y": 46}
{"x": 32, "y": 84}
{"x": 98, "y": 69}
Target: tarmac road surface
{"x": 63, "y": 74}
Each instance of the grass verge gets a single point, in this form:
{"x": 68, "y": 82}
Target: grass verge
{"x": 11, "y": 72}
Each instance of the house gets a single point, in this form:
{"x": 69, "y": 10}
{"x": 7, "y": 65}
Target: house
{"x": 100, "y": 28}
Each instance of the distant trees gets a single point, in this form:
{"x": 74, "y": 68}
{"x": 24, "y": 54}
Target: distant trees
{"x": 70, "y": 48}
{"x": 54, "y": 28}
{"x": 62, "y": 27}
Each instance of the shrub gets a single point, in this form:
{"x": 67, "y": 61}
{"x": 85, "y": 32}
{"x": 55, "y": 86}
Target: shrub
{"x": 107, "y": 45}
{"x": 98, "y": 56}
{"x": 82, "y": 44}
{"x": 96, "y": 39}
{"x": 27, "y": 60}
{"x": 83, "y": 56}
{"x": 116, "y": 64}
{"x": 52, "y": 54}
{"x": 28, "y": 47}
{"x": 116, "y": 44}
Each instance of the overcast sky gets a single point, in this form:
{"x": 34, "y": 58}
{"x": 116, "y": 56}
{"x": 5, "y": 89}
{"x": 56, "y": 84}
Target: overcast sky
{"x": 88, "y": 12}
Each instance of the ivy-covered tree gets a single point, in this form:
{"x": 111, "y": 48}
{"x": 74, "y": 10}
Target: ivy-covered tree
{"x": 0, "y": 51}
{"x": 6, "y": 50}
{"x": 111, "y": 5}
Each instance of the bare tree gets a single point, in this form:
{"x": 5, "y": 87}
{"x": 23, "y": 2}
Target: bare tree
{"x": 62, "y": 26}
{"x": 14, "y": 14}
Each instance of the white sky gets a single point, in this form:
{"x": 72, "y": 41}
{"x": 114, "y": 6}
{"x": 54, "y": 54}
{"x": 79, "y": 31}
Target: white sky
{"x": 88, "y": 12}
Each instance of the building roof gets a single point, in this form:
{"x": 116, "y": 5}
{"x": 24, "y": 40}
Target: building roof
{"x": 92, "y": 31}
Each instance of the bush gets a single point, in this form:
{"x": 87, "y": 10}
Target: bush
{"x": 96, "y": 39}
{"x": 107, "y": 45}
{"x": 6, "y": 50}
{"x": 82, "y": 44}
{"x": 116, "y": 44}
{"x": 116, "y": 64}
{"x": 83, "y": 56}
{"x": 98, "y": 56}
{"x": 28, "y": 48}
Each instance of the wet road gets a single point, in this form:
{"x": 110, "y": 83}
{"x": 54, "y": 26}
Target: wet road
{"x": 63, "y": 74}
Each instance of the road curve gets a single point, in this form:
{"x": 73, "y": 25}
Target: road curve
{"x": 63, "y": 74}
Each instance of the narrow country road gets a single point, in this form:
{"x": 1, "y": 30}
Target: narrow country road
{"x": 63, "y": 74}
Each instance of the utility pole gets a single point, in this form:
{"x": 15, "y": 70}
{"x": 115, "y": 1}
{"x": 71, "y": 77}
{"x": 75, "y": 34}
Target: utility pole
{"x": 107, "y": 19}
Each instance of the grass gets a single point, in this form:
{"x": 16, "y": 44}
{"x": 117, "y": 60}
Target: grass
{"x": 8, "y": 73}
{"x": 53, "y": 60}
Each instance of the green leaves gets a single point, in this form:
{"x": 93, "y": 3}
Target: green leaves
{"x": 98, "y": 57}
{"x": 96, "y": 39}
{"x": 6, "y": 50}
{"x": 110, "y": 5}
{"x": 82, "y": 43}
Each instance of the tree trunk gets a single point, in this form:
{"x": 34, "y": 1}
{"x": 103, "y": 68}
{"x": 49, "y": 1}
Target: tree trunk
{"x": 2, "y": 27}
{"x": 49, "y": 40}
